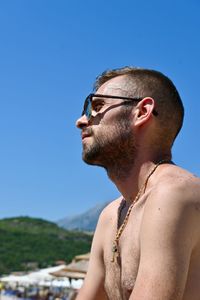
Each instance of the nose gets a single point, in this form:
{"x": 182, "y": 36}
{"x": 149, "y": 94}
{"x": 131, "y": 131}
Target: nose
{"x": 82, "y": 122}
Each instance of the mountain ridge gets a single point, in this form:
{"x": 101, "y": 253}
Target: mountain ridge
{"x": 85, "y": 221}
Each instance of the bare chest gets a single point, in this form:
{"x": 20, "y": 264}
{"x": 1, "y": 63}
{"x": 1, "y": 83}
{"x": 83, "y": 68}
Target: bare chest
{"x": 120, "y": 275}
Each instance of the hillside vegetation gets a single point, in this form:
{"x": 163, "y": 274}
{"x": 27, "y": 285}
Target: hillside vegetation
{"x": 25, "y": 240}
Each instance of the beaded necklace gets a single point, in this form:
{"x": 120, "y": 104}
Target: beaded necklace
{"x": 115, "y": 247}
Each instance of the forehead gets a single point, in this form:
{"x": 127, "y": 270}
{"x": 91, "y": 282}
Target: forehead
{"x": 117, "y": 86}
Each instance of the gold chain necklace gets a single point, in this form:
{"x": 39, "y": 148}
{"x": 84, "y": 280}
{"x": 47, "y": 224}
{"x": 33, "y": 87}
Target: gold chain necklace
{"x": 115, "y": 247}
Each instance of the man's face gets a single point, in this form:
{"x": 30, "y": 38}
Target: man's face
{"x": 107, "y": 137}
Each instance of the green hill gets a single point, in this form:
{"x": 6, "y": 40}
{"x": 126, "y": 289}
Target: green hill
{"x": 25, "y": 241}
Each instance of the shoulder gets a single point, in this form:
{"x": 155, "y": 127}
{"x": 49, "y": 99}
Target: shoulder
{"x": 176, "y": 186}
{"x": 106, "y": 217}
{"x": 174, "y": 202}
{"x": 109, "y": 212}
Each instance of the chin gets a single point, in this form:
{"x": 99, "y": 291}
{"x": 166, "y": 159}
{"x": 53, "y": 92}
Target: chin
{"x": 88, "y": 159}
{"x": 91, "y": 158}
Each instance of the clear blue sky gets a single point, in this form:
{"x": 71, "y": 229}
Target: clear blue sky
{"x": 50, "y": 54}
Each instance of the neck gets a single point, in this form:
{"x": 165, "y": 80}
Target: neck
{"x": 136, "y": 176}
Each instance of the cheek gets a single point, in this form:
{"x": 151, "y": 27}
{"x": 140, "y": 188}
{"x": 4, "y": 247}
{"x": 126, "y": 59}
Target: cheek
{"x": 109, "y": 132}
{"x": 112, "y": 125}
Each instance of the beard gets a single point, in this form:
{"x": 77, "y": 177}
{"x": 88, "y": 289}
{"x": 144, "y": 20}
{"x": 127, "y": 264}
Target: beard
{"x": 113, "y": 147}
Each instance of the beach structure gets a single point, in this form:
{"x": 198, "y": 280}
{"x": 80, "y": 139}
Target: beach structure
{"x": 66, "y": 276}
{"x": 77, "y": 269}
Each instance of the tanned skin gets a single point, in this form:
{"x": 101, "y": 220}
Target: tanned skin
{"x": 160, "y": 245}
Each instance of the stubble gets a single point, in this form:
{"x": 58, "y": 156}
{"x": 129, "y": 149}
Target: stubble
{"x": 113, "y": 147}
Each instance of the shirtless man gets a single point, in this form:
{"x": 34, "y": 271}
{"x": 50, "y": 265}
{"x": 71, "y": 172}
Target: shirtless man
{"x": 147, "y": 242}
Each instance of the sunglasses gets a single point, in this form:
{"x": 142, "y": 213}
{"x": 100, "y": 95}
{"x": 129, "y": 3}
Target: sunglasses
{"x": 87, "y": 108}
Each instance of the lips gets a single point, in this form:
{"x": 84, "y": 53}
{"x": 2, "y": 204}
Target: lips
{"x": 85, "y": 134}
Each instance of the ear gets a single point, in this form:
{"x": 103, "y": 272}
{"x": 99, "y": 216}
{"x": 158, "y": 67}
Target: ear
{"x": 143, "y": 111}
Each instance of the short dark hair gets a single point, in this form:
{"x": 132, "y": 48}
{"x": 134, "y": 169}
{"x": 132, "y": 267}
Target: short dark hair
{"x": 151, "y": 83}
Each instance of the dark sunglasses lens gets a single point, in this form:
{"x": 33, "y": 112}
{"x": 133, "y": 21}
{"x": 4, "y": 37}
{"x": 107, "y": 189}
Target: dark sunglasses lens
{"x": 87, "y": 108}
